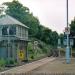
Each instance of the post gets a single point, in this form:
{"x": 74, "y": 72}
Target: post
{"x": 71, "y": 52}
{"x": 26, "y": 52}
{"x": 59, "y": 46}
{"x": 8, "y": 46}
{"x": 67, "y": 48}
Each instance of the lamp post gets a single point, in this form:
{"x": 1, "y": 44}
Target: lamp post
{"x": 67, "y": 48}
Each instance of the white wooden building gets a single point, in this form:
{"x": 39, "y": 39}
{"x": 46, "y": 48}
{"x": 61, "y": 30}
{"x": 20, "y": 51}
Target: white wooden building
{"x": 13, "y": 39}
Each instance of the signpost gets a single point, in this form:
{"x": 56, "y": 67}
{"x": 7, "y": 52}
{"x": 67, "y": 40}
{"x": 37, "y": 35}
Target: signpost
{"x": 67, "y": 34}
{"x": 35, "y": 44}
{"x": 67, "y": 30}
{"x": 21, "y": 54}
{"x": 71, "y": 42}
{"x": 59, "y": 46}
{"x": 35, "y": 47}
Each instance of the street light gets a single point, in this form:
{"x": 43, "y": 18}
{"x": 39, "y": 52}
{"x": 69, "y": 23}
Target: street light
{"x": 67, "y": 48}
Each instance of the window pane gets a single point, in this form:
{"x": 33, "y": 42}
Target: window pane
{"x": 12, "y": 30}
{"x": 4, "y": 31}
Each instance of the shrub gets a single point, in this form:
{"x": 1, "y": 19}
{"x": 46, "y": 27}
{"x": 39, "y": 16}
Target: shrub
{"x": 32, "y": 57}
{"x": 10, "y": 61}
{"x": 2, "y": 62}
{"x": 73, "y": 54}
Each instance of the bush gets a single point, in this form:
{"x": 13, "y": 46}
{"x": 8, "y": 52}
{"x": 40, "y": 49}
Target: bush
{"x": 73, "y": 54}
{"x": 32, "y": 57}
{"x": 2, "y": 62}
{"x": 11, "y": 62}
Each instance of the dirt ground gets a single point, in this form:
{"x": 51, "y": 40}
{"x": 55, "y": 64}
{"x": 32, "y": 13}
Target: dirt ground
{"x": 57, "y": 66}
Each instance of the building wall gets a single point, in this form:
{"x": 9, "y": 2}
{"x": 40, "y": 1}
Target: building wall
{"x": 13, "y": 49}
{"x": 11, "y": 46}
{"x": 0, "y": 30}
{"x": 22, "y": 32}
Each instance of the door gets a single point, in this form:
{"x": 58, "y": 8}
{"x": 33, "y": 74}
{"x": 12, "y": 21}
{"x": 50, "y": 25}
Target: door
{"x": 3, "y": 52}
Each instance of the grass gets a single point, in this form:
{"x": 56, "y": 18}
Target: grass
{"x": 2, "y": 63}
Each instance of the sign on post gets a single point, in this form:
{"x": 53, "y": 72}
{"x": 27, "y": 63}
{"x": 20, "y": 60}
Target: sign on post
{"x": 65, "y": 42}
{"x": 59, "y": 43}
{"x": 67, "y": 30}
{"x": 35, "y": 44}
{"x": 21, "y": 54}
{"x": 71, "y": 42}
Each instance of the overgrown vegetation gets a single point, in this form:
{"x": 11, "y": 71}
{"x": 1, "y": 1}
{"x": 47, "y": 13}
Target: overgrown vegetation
{"x": 2, "y": 63}
{"x": 72, "y": 30}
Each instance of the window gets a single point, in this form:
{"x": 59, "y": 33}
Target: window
{"x": 12, "y": 30}
{"x": 4, "y": 30}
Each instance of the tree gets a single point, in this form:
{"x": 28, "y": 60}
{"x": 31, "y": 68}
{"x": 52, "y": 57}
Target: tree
{"x": 54, "y": 38}
{"x": 61, "y": 36}
{"x": 40, "y": 32}
{"x": 46, "y": 35}
{"x": 72, "y": 30}
{"x": 22, "y": 13}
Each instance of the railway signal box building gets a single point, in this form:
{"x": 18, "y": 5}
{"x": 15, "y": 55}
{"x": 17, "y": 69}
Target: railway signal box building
{"x": 13, "y": 39}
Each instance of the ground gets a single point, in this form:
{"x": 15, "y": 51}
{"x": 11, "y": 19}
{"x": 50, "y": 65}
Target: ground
{"x": 57, "y": 66}
{"x": 45, "y": 65}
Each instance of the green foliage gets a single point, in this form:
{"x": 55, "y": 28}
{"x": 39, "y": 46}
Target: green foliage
{"x": 22, "y": 14}
{"x": 72, "y": 30}
{"x": 41, "y": 50}
{"x": 30, "y": 51}
{"x": 61, "y": 36}
{"x": 32, "y": 57}
{"x": 2, "y": 62}
{"x": 72, "y": 26}
{"x": 46, "y": 35}
{"x": 11, "y": 62}
{"x": 30, "y": 47}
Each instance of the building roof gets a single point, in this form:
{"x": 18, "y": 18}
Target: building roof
{"x": 8, "y": 20}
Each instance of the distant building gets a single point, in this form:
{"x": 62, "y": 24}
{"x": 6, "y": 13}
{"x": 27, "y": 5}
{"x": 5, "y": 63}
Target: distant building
{"x": 13, "y": 39}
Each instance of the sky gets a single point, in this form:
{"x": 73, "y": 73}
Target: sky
{"x": 51, "y": 13}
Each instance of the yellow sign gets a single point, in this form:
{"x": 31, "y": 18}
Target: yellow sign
{"x": 21, "y": 54}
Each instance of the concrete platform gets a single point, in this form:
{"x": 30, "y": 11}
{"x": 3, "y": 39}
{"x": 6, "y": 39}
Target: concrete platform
{"x": 28, "y": 67}
{"x": 57, "y": 66}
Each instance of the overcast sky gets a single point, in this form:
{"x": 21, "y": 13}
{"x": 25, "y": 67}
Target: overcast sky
{"x": 51, "y": 13}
